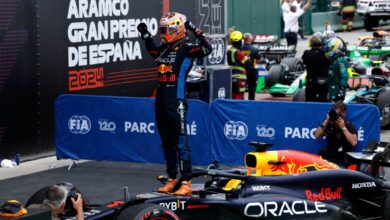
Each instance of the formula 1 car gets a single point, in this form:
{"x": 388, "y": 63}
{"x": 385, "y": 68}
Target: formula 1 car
{"x": 284, "y": 184}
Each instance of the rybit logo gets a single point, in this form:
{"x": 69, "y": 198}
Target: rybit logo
{"x": 164, "y": 68}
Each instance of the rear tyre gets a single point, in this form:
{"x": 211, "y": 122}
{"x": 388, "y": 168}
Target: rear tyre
{"x": 383, "y": 101}
{"x": 274, "y": 75}
{"x": 370, "y": 23}
{"x": 299, "y": 96}
{"x": 146, "y": 211}
{"x": 294, "y": 64}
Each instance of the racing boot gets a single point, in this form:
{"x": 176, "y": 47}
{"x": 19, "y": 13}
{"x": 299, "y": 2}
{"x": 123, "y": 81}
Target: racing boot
{"x": 184, "y": 190}
{"x": 168, "y": 187}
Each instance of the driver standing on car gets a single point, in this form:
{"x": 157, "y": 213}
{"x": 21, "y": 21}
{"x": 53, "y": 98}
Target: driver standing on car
{"x": 341, "y": 134}
{"x": 174, "y": 58}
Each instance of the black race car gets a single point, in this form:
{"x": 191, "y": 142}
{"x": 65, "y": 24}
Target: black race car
{"x": 284, "y": 184}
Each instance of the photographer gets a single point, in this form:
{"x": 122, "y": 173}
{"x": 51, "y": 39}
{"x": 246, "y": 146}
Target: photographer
{"x": 55, "y": 199}
{"x": 340, "y": 133}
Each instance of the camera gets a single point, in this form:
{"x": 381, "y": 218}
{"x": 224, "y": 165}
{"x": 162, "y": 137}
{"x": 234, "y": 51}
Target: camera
{"x": 333, "y": 115}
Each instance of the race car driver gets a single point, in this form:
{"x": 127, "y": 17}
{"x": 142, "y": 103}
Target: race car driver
{"x": 338, "y": 70}
{"x": 174, "y": 58}
{"x": 239, "y": 64}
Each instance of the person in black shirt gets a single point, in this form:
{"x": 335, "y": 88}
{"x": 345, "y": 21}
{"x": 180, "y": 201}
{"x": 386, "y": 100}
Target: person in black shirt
{"x": 251, "y": 72}
{"x": 317, "y": 69}
{"x": 341, "y": 134}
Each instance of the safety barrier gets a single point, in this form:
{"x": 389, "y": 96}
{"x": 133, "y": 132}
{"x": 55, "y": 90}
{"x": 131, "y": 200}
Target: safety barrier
{"x": 124, "y": 129}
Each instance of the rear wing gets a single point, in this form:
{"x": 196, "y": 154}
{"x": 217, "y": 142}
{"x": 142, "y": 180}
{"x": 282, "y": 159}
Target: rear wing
{"x": 275, "y": 52}
{"x": 376, "y": 154}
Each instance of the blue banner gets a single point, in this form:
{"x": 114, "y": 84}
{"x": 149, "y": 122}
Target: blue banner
{"x": 287, "y": 125}
{"x": 122, "y": 129}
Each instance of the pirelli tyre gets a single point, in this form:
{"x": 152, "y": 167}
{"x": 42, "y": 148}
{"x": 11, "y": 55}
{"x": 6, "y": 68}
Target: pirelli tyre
{"x": 294, "y": 64}
{"x": 300, "y": 95}
{"x": 382, "y": 101}
{"x": 145, "y": 211}
{"x": 274, "y": 75}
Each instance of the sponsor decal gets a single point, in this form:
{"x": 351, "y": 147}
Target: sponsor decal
{"x": 79, "y": 124}
{"x": 363, "y": 185}
{"x": 265, "y": 132}
{"x": 274, "y": 209}
{"x": 295, "y": 163}
{"x": 106, "y": 125}
{"x": 174, "y": 205}
{"x": 164, "y": 68}
{"x": 324, "y": 194}
{"x": 221, "y": 93}
{"x": 261, "y": 188}
{"x": 236, "y": 130}
{"x": 218, "y": 52}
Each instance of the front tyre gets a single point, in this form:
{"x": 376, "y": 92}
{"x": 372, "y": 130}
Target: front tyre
{"x": 146, "y": 211}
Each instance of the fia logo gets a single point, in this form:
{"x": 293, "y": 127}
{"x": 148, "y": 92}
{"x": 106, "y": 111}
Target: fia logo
{"x": 79, "y": 124}
{"x": 221, "y": 93}
{"x": 236, "y": 130}
{"x": 218, "y": 53}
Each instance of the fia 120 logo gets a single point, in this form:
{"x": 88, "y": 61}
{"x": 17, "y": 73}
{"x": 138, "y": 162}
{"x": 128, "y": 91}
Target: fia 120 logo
{"x": 79, "y": 124}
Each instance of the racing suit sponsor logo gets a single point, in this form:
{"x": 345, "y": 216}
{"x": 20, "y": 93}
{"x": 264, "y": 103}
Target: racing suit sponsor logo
{"x": 79, "y": 124}
{"x": 269, "y": 209}
{"x": 363, "y": 185}
{"x": 140, "y": 127}
{"x": 174, "y": 205}
{"x": 164, "y": 68}
{"x": 261, "y": 188}
{"x": 324, "y": 194}
{"x": 106, "y": 125}
{"x": 218, "y": 52}
{"x": 264, "y": 131}
{"x": 236, "y": 130}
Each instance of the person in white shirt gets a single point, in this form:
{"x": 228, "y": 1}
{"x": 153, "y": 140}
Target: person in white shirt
{"x": 291, "y": 22}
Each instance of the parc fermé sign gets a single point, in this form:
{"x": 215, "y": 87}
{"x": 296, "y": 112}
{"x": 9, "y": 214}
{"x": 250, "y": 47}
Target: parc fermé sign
{"x": 221, "y": 132}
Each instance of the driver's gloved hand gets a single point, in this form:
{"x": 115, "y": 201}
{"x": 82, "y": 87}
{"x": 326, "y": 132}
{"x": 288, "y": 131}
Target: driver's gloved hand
{"x": 191, "y": 27}
{"x": 143, "y": 30}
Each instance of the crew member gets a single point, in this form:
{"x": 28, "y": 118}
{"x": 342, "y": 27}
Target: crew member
{"x": 237, "y": 60}
{"x": 338, "y": 70}
{"x": 251, "y": 72}
{"x": 291, "y": 22}
{"x": 317, "y": 69}
{"x": 174, "y": 58}
{"x": 347, "y": 10}
{"x": 341, "y": 134}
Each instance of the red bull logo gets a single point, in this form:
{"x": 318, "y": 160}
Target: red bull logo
{"x": 164, "y": 69}
{"x": 301, "y": 162}
{"x": 324, "y": 194}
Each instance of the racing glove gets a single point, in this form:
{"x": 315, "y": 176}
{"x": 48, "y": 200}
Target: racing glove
{"x": 341, "y": 94}
{"x": 191, "y": 27}
{"x": 143, "y": 30}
